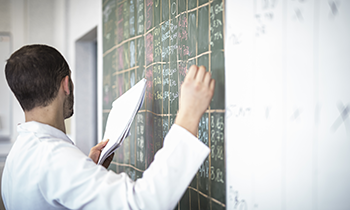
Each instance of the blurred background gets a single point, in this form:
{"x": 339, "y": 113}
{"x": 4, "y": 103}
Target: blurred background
{"x": 72, "y": 28}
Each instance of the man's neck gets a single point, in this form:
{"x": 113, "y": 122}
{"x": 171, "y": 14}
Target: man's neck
{"x": 49, "y": 115}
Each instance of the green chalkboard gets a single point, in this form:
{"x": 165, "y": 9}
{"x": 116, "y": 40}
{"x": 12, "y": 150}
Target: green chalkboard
{"x": 159, "y": 40}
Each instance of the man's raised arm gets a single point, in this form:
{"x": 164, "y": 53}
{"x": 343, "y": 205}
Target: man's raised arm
{"x": 196, "y": 94}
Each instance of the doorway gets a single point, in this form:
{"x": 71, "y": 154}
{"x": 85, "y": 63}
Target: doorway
{"x": 86, "y": 91}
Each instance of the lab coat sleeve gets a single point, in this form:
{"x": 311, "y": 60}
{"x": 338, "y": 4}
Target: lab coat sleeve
{"x": 72, "y": 180}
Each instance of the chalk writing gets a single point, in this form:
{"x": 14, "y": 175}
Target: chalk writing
{"x": 216, "y": 174}
{"x": 149, "y": 48}
{"x": 343, "y": 117}
{"x": 165, "y": 126}
{"x": 169, "y": 50}
{"x": 149, "y": 139}
{"x": 140, "y": 142}
{"x": 126, "y": 20}
{"x": 166, "y": 95}
{"x": 296, "y": 115}
{"x": 132, "y": 53}
{"x": 182, "y": 33}
{"x": 126, "y": 150}
{"x": 192, "y": 38}
{"x": 132, "y": 79}
{"x": 170, "y": 34}
{"x": 298, "y": 14}
{"x": 170, "y": 95}
{"x": 239, "y": 204}
{"x": 204, "y": 169}
{"x": 264, "y": 15}
{"x": 140, "y": 17}
{"x": 168, "y": 72}
{"x": 237, "y": 111}
{"x": 120, "y": 23}
{"x": 173, "y": 8}
{"x": 132, "y": 18}
{"x": 170, "y": 82}
{"x": 172, "y": 120}
{"x": 203, "y": 129}
{"x": 216, "y": 26}
{"x": 217, "y": 154}
{"x": 164, "y": 37}
{"x": 149, "y": 84}
{"x": 107, "y": 21}
{"x": 235, "y": 39}
{"x": 140, "y": 51}
{"x": 333, "y": 5}
{"x": 108, "y": 10}
{"x": 183, "y": 48}
{"x": 169, "y": 31}
{"x": 217, "y": 124}
{"x": 158, "y": 133}
{"x": 203, "y": 135}
{"x": 182, "y": 68}
{"x": 165, "y": 89}
{"x": 120, "y": 53}
{"x": 157, "y": 44}
{"x": 157, "y": 87}
{"x": 157, "y": 80}
{"x": 149, "y": 13}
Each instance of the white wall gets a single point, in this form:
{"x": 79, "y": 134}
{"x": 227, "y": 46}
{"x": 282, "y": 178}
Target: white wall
{"x": 5, "y": 14}
{"x": 58, "y": 23}
{"x": 83, "y": 17}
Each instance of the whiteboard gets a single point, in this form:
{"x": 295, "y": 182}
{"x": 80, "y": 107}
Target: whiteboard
{"x": 287, "y": 104}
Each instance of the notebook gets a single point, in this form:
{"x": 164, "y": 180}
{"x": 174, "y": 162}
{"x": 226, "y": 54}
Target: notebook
{"x": 121, "y": 116}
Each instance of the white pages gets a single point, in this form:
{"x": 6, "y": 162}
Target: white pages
{"x": 121, "y": 116}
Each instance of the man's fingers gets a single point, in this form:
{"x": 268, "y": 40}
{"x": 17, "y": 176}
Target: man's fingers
{"x": 101, "y": 145}
{"x": 105, "y": 143}
{"x": 201, "y": 73}
{"x": 192, "y": 72}
{"x": 212, "y": 85}
{"x": 207, "y": 78}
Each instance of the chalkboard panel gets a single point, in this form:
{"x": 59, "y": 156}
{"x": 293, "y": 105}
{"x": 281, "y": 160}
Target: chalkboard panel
{"x": 159, "y": 40}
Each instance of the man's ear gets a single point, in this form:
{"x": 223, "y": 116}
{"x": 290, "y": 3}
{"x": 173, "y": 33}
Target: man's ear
{"x": 65, "y": 85}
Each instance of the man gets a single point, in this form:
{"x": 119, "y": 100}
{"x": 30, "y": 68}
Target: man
{"x": 45, "y": 170}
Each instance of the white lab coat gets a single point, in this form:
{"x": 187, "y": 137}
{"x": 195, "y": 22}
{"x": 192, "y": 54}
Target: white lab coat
{"x": 45, "y": 170}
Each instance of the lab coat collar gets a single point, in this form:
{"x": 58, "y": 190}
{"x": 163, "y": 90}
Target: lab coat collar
{"x": 42, "y": 129}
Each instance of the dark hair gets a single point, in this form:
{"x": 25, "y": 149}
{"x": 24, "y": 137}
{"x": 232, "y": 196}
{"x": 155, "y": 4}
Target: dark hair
{"x": 34, "y": 74}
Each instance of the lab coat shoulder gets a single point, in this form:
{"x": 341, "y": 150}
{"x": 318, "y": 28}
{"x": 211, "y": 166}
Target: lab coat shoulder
{"x": 71, "y": 179}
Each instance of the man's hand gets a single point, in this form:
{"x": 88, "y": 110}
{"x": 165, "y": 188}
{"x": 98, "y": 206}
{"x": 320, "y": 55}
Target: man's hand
{"x": 95, "y": 153}
{"x": 196, "y": 94}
